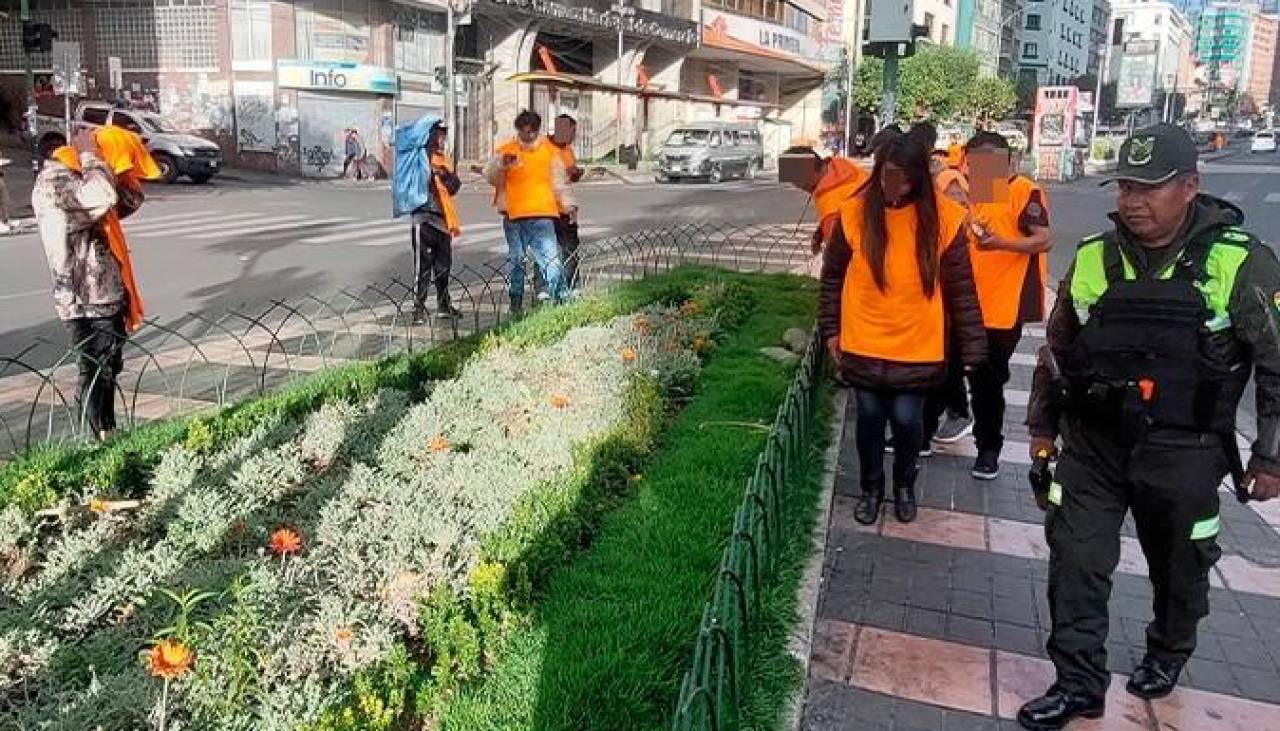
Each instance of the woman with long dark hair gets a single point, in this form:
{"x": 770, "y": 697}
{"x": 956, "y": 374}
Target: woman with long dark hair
{"x": 896, "y": 281}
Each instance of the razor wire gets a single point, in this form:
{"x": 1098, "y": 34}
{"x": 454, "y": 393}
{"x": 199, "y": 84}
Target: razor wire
{"x": 209, "y": 360}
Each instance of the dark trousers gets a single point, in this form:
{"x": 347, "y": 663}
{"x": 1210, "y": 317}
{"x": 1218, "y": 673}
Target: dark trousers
{"x": 904, "y": 412}
{"x": 99, "y": 343}
{"x": 432, "y": 260}
{"x": 1170, "y": 482}
{"x": 986, "y": 389}
{"x": 567, "y": 238}
{"x": 952, "y": 396}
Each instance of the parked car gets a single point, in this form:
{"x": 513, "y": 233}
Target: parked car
{"x": 177, "y": 153}
{"x": 1263, "y": 141}
{"x": 711, "y": 150}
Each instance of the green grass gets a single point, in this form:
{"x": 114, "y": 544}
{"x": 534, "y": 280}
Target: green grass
{"x": 613, "y": 632}
{"x": 38, "y": 478}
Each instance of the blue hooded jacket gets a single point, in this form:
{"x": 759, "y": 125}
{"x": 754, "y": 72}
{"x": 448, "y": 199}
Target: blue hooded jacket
{"x": 411, "y": 181}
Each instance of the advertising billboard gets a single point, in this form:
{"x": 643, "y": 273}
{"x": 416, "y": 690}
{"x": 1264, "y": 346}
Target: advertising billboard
{"x": 1135, "y": 86}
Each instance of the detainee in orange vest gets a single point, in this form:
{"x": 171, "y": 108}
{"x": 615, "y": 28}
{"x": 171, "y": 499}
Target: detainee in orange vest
{"x": 896, "y": 275}
{"x": 1010, "y": 238}
{"x": 562, "y": 138}
{"x": 531, "y": 191}
{"x": 835, "y": 180}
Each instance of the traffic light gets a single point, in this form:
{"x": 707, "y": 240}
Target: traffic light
{"x": 37, "y": 37}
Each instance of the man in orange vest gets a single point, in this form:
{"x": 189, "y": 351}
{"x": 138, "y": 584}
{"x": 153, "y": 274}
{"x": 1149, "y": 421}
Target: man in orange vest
{"x": 567, "y": 226}
{"x": 835, "y": 180}
{"x": 531, "y": 191}
{"x": 1010, "y": 237}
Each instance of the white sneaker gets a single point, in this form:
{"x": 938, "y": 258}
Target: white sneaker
{"x": 544, "y": 296}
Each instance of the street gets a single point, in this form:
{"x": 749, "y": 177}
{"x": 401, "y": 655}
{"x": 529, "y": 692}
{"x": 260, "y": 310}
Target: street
{"x": 239, "y": 243}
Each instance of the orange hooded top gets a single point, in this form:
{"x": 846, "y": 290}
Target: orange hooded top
{"x": 841, "y": 179}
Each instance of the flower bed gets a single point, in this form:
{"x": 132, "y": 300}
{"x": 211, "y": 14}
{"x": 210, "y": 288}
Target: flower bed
{"x": 317, "y": 568}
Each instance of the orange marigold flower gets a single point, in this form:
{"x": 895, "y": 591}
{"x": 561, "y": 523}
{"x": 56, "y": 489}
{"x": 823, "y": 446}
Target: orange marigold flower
{"x": 343, "y": 637}
{"x": 98, "y": 506}
{"x": 558, "y": 400}
{"x": 439, "y": 444}
{"x": 629, "y": 355}
{"x": 169, "y": 659}
{"x": 690, "y": 308}
{"x": 285, "y": 541}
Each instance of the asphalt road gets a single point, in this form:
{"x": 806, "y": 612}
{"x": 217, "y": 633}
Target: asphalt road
{"x": 241, "y": 243}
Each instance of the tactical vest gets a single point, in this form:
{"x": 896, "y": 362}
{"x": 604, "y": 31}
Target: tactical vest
{"x": 1157, "y": 351}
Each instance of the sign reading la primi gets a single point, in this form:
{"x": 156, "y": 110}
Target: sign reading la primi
{"x": 643, "y": 24}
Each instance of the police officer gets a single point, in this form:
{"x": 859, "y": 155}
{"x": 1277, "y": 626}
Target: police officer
{"x": 1155, "y": 332}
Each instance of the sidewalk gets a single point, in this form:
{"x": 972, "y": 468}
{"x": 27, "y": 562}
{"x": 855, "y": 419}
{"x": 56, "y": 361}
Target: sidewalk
{"x": 940, "y": 624}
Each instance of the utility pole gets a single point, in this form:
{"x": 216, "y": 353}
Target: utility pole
{"x": 1101, "y": 82}
{"x": 30, "y": 83}
{"x": 450, "y": 100}
{"x": 623, "y": 12}
{"x": 853, "y": 41}
{"x": 889, "y": 100}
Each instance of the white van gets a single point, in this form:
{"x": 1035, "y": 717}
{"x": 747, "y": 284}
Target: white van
{"x": 712, "y": 150}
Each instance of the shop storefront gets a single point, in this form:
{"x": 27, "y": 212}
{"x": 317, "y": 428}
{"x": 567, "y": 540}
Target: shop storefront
{"x": 334, "y": 97}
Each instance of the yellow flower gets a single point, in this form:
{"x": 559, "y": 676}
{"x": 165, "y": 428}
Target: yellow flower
{"x": 629, "y": 355}
{"x": 98, "y": 506}
{"x": 439, "y": 444}
{"x": 343, "y": 637}
{"x": 558, "y": 401}
{"x": 169, "y": 659}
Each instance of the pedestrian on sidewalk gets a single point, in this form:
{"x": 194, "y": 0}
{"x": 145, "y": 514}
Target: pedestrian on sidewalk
{"x": 79, "y": 199}
{"x": 1157, "y": 328}
{"x": 423, "y": 186}
{"x": 353, "y": 154}
{"x": 884, "y": 312}
{"x": 835, "y": 180}
{"x": 1010, "y": 240}
{"x": 531, "y": 191}
{"x": 566, "y": 224}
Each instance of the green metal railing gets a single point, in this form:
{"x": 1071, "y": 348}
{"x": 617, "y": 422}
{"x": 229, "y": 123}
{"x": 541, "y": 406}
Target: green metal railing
{"x": 711, "y": 692}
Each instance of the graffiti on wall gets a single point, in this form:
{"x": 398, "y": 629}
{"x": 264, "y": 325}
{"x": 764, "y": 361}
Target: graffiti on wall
{"x": 255, "y": 116}
{"x": 196, "y": 103}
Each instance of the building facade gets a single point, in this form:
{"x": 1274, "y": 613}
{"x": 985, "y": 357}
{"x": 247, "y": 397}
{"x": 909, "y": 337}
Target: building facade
{"x": 1011, "y": 21}
{"x": 1262, "y": 58}
{"x": 1054, "y": 41}
{"x": 1222, "y": 45}
{"x": 978, "y": 28}
{"x": 278, "y": 83}
{"x": 1167, "y": 26}
{"x": 1099, "y": 28}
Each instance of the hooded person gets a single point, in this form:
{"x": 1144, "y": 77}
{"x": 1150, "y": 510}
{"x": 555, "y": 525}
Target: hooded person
{"x": 423, "y": 186}
{"x": 79, "y": 199}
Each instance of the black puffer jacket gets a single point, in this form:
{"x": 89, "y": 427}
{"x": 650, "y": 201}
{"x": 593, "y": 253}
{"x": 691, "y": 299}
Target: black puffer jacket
{"x": 960, "y": 303}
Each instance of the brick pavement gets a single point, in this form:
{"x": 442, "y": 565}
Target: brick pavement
{"x": 940, "y": 625}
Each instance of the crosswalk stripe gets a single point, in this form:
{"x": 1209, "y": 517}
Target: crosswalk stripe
{"x": 1233, "y": 197}
{"x": 1273, "y": 197}
{"x": 1023, "y": 359}
{"x": 191, "y": 221}
{"x": 283, "y": 223}
{"x": 348, "y": 233}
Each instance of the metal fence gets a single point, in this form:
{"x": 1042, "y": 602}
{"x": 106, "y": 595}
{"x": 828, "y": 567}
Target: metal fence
{"x": 711, "y": 692}
{"x": 202, "y": 360}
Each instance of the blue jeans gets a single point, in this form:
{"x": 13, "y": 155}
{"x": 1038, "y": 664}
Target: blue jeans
{"x": 538, "y": 235}
{"x": 904, "y": 411}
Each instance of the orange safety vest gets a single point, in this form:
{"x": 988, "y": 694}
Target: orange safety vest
{"x": 1000, "y": 275}
{"x": 842, "y": 178}
{"x": 528, "y": 186}
{"x": 955, "y": 156}
{"x": 900, "y": 323}
{"x": 566, "y": 155}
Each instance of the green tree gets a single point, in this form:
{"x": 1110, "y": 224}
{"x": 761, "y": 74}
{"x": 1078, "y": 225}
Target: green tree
{"x": 868, "y": 84}
{"x": 936, "y": 81}
{"x": 991, "y": 98}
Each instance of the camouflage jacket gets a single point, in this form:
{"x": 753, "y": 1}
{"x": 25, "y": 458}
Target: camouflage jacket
{"x": 69, "y": 207}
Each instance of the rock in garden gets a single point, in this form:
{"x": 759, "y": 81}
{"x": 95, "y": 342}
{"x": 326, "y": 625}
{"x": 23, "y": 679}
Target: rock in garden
{"x": 796, "y": 340}
{"x": 782, "y": 355}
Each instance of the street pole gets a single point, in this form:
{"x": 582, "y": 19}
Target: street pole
{"x": 1102, "y": 77}
{"x": 450, "y": 100}
{"x": 623, "y": 12}
{"x": 853, "y": 41}
{"x": 30, "y": 83}
{"x": 888, "y": 105}
{"x": 66, "y": 94}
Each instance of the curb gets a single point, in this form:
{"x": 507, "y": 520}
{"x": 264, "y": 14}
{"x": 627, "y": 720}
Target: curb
{"x": 800, "y": 645}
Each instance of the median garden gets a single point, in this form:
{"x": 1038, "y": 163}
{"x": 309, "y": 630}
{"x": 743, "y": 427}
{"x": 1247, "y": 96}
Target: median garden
{"x": 515, "y": 531}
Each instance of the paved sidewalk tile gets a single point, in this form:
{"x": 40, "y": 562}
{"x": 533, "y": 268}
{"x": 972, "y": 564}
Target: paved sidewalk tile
{"x": 942, "y": 623}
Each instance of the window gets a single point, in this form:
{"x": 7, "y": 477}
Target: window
{"x": 1029, "y": 50}
{"x": 928, "y": 24}
{"x": 121, "y": 119}
{"x": 419, "y": 39}
{"x": 95, "y": 115}
{"x": 251, "y": 34}
{"x": 715, "y": 139}
{"x": 1033, "y": 21}
{"x": 942, "y": 38}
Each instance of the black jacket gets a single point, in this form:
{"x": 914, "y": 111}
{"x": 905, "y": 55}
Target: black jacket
{"x": 1255, "y": 324}
{"x": 960, "y": 303}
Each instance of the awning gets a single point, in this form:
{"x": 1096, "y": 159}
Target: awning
{"x": 590, "y": 83}
{"x": 753, "y": 56}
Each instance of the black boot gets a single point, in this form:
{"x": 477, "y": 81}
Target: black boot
{"x": 867, "y": 511}
{"x": 1056, "y": 708}
{"x": 419, "y": 315}
{"x": 1153, "y": 678}
{"x": 904, "y": 502}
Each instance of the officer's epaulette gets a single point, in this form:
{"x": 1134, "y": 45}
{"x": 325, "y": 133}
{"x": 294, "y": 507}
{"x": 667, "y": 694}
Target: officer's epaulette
{"x": 1094, "y": 239}
{"x": 1236, "y": 236}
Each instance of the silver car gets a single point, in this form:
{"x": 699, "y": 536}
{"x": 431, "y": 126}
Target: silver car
{"x": 711, "y": 150}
